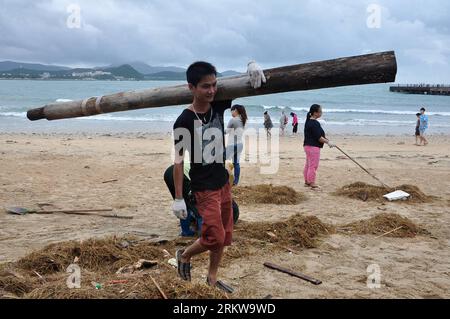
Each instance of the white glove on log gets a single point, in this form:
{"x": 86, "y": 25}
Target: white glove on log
{"x": 256, "y": 74}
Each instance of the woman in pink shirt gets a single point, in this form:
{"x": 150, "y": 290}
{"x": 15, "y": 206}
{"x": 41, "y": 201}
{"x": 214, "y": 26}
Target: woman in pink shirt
{"x": 294, "y": 123}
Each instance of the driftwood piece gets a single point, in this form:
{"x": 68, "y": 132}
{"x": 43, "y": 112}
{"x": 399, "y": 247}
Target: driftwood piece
{"x": 158, "y": 287}
{"x": 293, "y": 273}
{"x": 364, "y": 69}
{"x": 389, "y": 232}
{"x": 110, "y": 181}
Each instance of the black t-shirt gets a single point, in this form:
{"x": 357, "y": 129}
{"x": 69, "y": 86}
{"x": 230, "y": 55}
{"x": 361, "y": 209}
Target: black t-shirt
{"x": 207, "y": 154}
{"x": 313, "y": 133}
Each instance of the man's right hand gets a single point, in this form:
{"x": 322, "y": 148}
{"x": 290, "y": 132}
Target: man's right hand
{"x": 179, "y": 209}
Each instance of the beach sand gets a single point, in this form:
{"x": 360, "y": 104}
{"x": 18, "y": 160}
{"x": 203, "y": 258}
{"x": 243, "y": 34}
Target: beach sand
{"x": 68, "y": 171}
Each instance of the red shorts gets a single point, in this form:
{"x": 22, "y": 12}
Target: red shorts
{"x": 216, "y": 210}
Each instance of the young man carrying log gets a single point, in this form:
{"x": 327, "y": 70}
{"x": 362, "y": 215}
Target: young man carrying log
{"x": 200, "y": 131}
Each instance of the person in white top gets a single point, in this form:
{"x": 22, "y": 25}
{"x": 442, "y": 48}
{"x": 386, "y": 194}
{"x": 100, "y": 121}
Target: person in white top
{"x": 235, "y": 129}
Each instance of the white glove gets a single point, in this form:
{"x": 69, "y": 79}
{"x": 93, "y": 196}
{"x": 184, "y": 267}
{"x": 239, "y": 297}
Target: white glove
{"x": 179, "y": 209}
{"x": 331, "y": 144}
{"x": 256, "y": 74}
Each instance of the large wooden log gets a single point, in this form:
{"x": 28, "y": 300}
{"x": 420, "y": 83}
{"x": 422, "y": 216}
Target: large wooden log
{"x": 364, "y": 69}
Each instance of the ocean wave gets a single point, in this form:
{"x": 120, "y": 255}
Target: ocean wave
{"x": 394, "y": 112}
{"x": 13, "y": 114}
{"x": 376, "y": 123}
{"x": 361, "y": 111}
{"x": 271, "y": 107}
{"x": 252, "y": 120}
{"x": 63, "y": 100}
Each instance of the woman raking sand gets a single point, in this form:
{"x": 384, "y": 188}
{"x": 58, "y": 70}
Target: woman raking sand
{"x": 313, "y": 143}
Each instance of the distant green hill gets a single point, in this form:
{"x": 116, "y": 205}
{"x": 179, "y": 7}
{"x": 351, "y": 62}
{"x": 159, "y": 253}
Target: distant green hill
{"x": 21, "y": 73}
{"x": 121, "y": 72}
{"x": 166, "y": 76}
{"x": 126, "y": 71}
{"x": 230, "y": 73}
{"x": 144, "y": 68}
{"x": 11, "y": 65}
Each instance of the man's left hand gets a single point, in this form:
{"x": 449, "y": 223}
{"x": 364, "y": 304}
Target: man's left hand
{"x": 256, "y": 74}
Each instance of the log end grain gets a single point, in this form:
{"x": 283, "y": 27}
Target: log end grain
{"x": 36, "y": 114}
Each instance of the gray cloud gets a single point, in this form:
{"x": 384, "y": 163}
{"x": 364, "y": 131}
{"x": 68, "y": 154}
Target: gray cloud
{"x": 228, "y": 33}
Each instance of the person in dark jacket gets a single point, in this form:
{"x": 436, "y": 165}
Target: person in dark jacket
{"x": 314, "y": 140}
{"x": 268, "y": 125}
{"x": 417, "y": 129}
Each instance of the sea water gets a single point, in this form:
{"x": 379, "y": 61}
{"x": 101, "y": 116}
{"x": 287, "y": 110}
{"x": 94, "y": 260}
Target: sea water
{"x": 363, "y": 109}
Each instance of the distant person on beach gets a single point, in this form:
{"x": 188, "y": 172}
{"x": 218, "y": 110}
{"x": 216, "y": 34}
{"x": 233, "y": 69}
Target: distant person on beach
{"x": 423, "y": 126}
{"x": 314, "y": 140}
{"x": 200, "y": 131}
{"x": 284, "y": 120}
{"x": 235, "y": 129}
{"x": 294, "y": 123}
{"x": 417, "y": 129}
{"x": 268, "y": 123}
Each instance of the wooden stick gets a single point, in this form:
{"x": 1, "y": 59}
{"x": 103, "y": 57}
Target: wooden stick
{"x": 111, "y": 181}
{"x": 292, "y": 273}
{"x": 365, "y": 69}
{"x": 390, "y": 232}
{"x": 39, "y": 275}
{"x": 77, "y": 211}
{"x": 81, "y": 213}
{"x": 158, "y": 287}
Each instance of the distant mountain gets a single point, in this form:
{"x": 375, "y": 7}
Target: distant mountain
{"x": 123, "y": 72}
{"x": 11, "y": 65}
{"x": 144, "y": 68}
{"x": 23, "y": 73}
{"x": 166, "y": 76}
{"x": 130, "y": 71}
{"x": 230, "y": 73}
{"x": 126, "y": 71}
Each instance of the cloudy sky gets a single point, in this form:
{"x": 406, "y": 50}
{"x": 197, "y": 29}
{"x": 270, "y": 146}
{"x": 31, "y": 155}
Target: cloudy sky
{"x": 228, "y": 32}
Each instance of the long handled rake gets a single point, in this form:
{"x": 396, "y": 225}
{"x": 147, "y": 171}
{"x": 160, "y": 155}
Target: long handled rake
{"x": 365, "y": 170}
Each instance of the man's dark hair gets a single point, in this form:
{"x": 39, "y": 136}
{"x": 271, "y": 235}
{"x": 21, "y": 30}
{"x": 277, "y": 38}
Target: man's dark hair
{"x": 198, "y": 70}
{"x": 423, "y": 109}
{"x": 418, "y": 114}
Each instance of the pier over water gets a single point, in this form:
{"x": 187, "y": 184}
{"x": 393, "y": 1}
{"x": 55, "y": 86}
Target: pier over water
{"x": 427, "y": 89}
